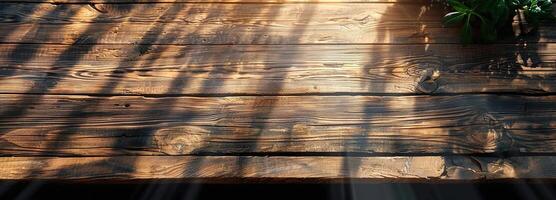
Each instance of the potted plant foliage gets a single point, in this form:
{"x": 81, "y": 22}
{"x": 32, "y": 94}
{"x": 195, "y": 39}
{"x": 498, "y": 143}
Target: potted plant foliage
{"x": 486, "y": 20}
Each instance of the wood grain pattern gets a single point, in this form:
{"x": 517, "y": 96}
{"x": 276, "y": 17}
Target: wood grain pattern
{"x": 172, "y": 167}
{"x": 102, "y": 126}
{"x": 277, "y": 69}
{"x": 268, "y": 90}
{"x": 206, "y": 13}
{"x": 211, "y": 1}
{"x": 215, "y": 168}
{"x": 198, "y": 23}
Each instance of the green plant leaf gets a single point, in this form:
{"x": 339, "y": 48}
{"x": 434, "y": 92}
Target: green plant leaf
{"x": 499, "y": 12}
{"x": 466, "y": 32}
{"x": 453, "y": 18}
{"x": 491, "y": 17}
{"x": 459, "y": 6}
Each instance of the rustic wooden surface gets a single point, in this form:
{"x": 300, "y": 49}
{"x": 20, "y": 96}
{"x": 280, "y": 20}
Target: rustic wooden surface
{"x": 210, "y": 1}
{"x": 222, "y": 167}
{"x": 277, "y": 69}
{"x": 235, "y": 23}
{"x": 104, "y": 126}
{"x": 248, "y": 168}
{"x": 271, "y": 90}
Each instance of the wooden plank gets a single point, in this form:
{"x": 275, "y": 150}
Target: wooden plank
{"x": 213, "y": 1}
{"x": 215, "y": 23}
{"x": 277, "y": 69}
{"x": 102, "y": 126}
{"x": 218, "y": 168}
{"x": 201, "y": 23}
{"x": 214, "y": 13}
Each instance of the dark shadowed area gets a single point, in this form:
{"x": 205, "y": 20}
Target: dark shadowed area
{"x": 357, "y": 191}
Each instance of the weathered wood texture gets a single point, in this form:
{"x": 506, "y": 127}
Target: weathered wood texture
{"x": 267, "y": 90}
{"x": 102, "y": 126}
{"x": 277, "y": 69}
{"x": 201, "y": 23}
{"x": 429, "y": 168}
{"x": 213, "y": 1}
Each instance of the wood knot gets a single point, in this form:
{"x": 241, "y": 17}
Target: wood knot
{"x": 501, "y": 168}
{"x": 464, "y": 168}
{"x": 426, "y": 83}
{"x": 179, "y": 141}
{"x": 97, "y": 8}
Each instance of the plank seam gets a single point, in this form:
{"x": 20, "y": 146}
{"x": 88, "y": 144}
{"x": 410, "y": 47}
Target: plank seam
{"x": 285, "y": 44}
{"x": 501, "y": 155}
{"x": 545, "y": 94}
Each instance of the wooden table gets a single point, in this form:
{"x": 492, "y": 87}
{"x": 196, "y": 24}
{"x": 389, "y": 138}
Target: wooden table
{"x": 275, "y": 90}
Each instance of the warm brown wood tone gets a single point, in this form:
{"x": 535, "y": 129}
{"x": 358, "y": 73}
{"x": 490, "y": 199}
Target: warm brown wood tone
{"x": 268, "y": 90}
{"x": 201, "y": 23}
{"x": 212, "y": 1}
{"x": 218, "y": 23}
{"x": 277, "y": 69}
{"x": 215, "y": 168}
{"x": 237, "y": 14}
{"x": 103, "y": 126}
